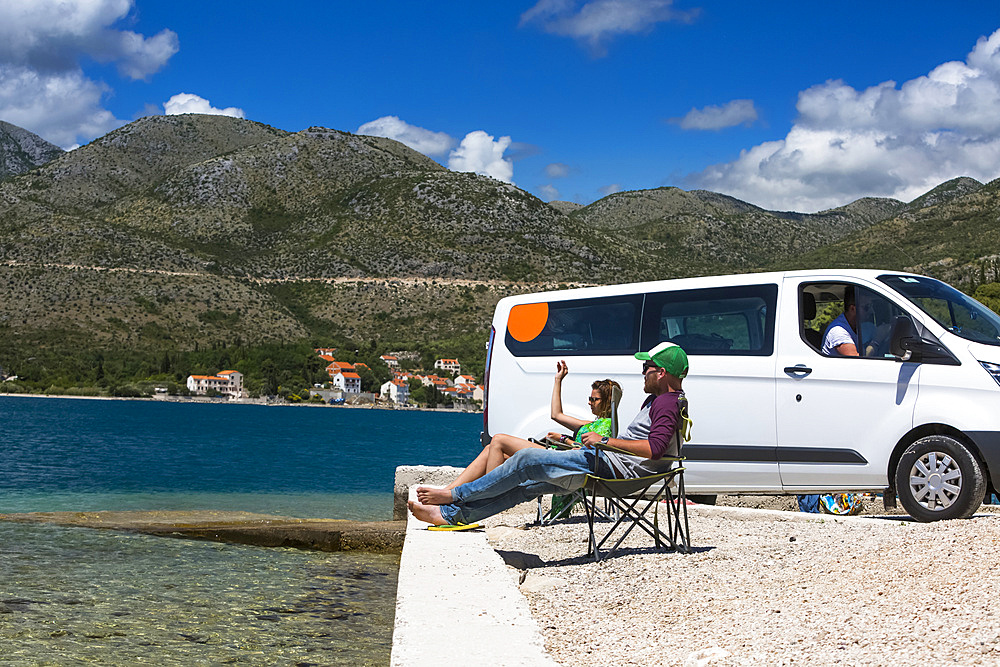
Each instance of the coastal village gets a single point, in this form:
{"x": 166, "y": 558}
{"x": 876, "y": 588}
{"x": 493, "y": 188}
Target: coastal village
{"x": 344, "y": 386}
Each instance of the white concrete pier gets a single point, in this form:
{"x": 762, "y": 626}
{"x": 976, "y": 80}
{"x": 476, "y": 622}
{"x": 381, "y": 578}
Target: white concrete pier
{"x": 458, "y": 603}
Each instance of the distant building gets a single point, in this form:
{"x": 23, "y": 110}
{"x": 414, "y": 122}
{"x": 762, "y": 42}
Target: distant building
{"x": 338, "y": 367}
{"x": 348, "y": 382}
{"x": 227, "y": 383}
{"x": 390, "y": 360}
{"x": 325, "y": 352}
{"x": 449, "y": 365}
{"x": 397, "y": 391}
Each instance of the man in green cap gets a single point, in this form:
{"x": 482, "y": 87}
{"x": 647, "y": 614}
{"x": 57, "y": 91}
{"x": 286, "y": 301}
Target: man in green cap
{"x": 533, "y": 472}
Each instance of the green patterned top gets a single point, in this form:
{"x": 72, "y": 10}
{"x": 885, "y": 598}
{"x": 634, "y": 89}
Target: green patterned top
{"x": 600, "y": 426}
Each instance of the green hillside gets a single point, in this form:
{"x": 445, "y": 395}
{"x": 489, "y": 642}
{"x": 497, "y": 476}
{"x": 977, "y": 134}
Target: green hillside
{"x": 179, "y": 235}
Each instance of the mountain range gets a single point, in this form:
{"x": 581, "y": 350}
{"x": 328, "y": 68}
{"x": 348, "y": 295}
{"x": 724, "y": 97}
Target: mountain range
{"x": 181, "y": 230}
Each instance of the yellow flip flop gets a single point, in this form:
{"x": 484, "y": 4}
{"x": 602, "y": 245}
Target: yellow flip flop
{"x": 451, "y": 528}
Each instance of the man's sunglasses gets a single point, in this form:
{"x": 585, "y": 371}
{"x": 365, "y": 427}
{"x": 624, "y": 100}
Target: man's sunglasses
{"x": 648, "y": 366}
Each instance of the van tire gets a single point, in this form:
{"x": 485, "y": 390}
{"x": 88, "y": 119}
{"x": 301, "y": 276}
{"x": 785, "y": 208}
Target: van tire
{"x": 938, "y": 478}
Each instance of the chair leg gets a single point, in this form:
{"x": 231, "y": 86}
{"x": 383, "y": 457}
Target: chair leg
{"x": 590, "y": 505}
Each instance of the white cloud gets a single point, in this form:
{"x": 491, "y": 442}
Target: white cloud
{"x": 549, "y": 192}
{"x": 417, "y": 138}
{"x": 42, "y": 86}
{"x": 51, "y": 35}
{"x": 59, "y": 107}
{"x": 887, "y": 140}
{"x": 731, "y": 114}
{"x": 188, "y": 103}
{"x": 610, "y": 189}
{"x": 594, "y": 22}
{"x": 557, "y": 170}
{"x": 479, "y": 153}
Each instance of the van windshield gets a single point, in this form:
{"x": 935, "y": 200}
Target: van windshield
{"x": 960, "y": 314}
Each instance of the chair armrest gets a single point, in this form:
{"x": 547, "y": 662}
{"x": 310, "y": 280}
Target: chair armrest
{"x": 554, "y": 444}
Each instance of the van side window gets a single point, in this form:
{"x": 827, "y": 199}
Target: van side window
{"x": 822, "y": 304}
{"x": 715, "y": 321}
{"x": 604, "y": 325}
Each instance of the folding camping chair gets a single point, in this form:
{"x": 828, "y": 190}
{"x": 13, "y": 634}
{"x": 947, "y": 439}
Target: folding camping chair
{"x": 632, "y": 497}
{"x": 562, "y": 505}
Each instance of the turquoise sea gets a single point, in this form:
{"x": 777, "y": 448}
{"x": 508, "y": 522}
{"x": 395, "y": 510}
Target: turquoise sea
{"x": 73, "y": 596}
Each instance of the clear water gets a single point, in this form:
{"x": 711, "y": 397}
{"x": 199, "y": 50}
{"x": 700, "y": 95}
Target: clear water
{"x": 74, "y": 596}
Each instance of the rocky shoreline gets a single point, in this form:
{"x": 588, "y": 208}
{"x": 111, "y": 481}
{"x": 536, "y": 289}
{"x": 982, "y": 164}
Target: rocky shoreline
{"x": 765, "y": 587}
{"x": 262, "y": 530}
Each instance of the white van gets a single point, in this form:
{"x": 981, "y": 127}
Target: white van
{"x": 916, "y": 415}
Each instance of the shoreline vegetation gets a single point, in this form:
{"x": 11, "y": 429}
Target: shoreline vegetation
{"x": 275, "y": 371}
{"x": 251, "y": 401}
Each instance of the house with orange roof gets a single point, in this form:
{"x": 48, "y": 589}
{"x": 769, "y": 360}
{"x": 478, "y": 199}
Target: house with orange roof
{"x": 326, "y": 357}
{"x": 339, "y": 367}
{"x": 426, "y": 379}
{"x": 397, "y": 391}
{"x": 227, "y": 383}
{"x": 348, "y": 382}
{"x": 463, "y": 392}
{"x": 390, "y": 360}
{"x": 448, "y": 365}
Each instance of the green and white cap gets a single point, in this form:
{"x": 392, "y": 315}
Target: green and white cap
{"x": 668, "y": 356}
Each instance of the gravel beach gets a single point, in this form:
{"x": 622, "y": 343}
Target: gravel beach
{"x": 765, "y": 587}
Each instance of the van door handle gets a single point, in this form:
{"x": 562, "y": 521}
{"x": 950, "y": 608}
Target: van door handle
{"x": 798, "y": 370}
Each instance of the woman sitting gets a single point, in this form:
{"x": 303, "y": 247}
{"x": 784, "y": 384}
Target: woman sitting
{"x": 503, "y": 446}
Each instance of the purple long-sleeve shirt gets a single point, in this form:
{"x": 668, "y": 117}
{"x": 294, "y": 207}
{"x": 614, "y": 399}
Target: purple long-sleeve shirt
{"x": 665, "y": 416}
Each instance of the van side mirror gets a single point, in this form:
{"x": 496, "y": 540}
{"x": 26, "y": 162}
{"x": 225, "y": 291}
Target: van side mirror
{"x": 907, "y": 344}
{"x": 904, "y": 338}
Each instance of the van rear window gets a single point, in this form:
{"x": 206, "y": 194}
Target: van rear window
{"x": 715, "y": 321}
{"x": 606, "y": 325}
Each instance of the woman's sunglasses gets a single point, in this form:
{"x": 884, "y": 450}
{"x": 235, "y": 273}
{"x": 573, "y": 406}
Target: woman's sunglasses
{"x": 591, "y": 399}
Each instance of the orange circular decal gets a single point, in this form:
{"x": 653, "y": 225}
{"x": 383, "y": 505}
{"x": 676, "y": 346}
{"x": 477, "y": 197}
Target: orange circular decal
{"x": 527, "y": 320}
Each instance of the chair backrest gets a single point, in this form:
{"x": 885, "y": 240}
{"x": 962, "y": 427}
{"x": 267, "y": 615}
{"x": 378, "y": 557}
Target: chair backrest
{"x": 616, "y": 398}
{"x": 808, "y": 312}
{"x": 683, "y": 431}
{"x": 808, "y": 306}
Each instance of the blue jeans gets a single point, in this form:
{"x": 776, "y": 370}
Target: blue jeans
{"x": 528, "y": 474}
{"x": 809, "y": 503}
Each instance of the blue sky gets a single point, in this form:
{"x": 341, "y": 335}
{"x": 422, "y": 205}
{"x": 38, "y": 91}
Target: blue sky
{"x": 788, "y": 105}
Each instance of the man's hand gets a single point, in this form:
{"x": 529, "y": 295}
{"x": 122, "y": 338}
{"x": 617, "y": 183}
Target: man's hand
{"x": 590, "y": 438}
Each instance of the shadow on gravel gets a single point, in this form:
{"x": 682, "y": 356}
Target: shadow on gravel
{"x": 524, "y": 561}
{"x": 905, "y": 518}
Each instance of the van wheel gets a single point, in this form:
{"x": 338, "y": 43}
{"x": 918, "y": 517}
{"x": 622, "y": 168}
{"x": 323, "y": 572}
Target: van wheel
{"x": 939, "y": 478}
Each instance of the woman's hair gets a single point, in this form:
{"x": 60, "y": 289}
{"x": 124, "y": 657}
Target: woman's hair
{"x": 604, "y": 388}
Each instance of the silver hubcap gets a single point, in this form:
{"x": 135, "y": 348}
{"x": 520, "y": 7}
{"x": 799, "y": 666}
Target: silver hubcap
{"x": 935, "y": 481}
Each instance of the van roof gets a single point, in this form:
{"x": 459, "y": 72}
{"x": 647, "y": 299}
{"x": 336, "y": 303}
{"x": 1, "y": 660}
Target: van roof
{"x": 698, "y": 282}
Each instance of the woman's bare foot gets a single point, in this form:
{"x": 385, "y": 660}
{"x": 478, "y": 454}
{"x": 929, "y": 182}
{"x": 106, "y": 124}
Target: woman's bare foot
{"x": 431, "y": 496}
{"x": 429, "y": 513}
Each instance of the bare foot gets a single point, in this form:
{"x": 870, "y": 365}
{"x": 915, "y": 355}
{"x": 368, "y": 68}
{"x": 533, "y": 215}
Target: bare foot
{"x": 431, "y": 496}
{"x": 429, "y": 513}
